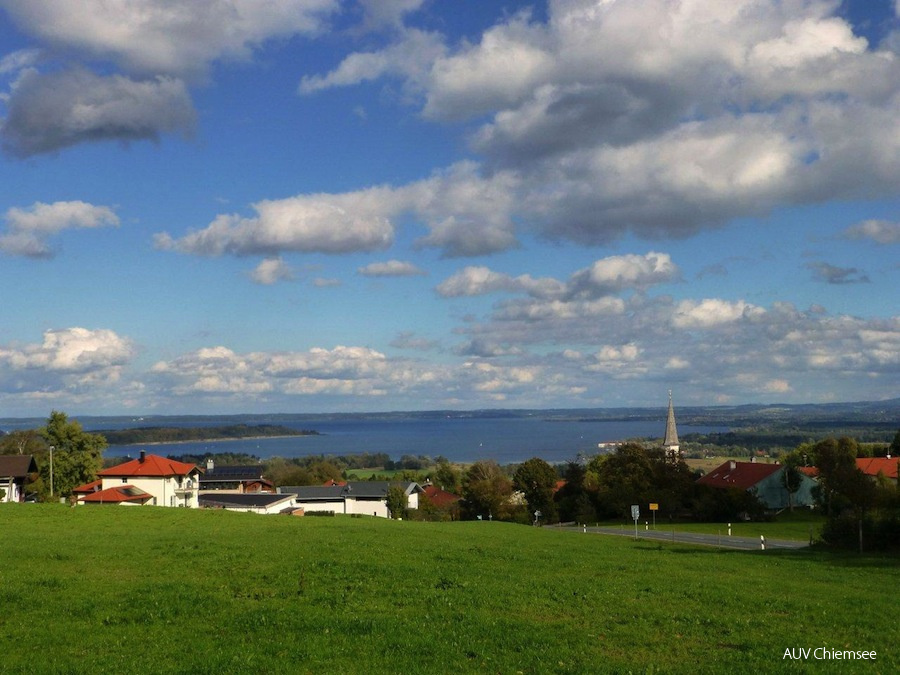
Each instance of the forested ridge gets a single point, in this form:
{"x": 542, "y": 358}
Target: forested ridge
{"x": 178, "y": 434}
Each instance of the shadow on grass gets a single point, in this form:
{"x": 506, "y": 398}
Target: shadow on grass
{"x": 817, "y": 553}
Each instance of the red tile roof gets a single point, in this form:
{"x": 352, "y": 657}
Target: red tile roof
{"x": 118, "y": 494}
{"x": 811, "y": 471}
{"x": 151, "y": 466}
{"x": 743, "y": 475}
{"x": 872, "y": 466}
{"x": 87, "y": 488}
{"x": 440, "y": 498}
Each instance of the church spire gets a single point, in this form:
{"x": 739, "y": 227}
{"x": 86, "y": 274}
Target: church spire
{"x": 670, "y": 443}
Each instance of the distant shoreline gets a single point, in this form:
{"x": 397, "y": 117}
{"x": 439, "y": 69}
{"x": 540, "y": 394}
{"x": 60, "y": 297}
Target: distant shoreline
{"x": 212, "y": 440}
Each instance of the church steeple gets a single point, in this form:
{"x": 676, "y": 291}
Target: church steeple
{"x": 670, "y": 442}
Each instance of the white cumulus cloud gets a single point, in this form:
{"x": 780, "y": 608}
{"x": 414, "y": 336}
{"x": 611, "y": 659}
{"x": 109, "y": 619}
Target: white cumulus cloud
{"x": 272, "y": 270}
{"x": 391, "y": 268}
{"x": 28, "y": 230}
{"x": 158, "y": 36}
{"x": 73, "y": 350}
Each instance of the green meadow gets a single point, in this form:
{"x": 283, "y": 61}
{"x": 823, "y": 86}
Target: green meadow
{"x": 147, "y": 590}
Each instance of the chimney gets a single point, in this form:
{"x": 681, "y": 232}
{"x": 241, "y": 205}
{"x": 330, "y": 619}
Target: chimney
{"x": 210, "y": 464}
{"x": 732, "y": 465}
{"x": 143, "y": 456}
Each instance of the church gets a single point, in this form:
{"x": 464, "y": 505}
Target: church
{"x": 670, "y": 442}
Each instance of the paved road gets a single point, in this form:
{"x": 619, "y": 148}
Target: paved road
{"x": 722, "y": 541}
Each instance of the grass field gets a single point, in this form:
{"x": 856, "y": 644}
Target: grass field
{"x": 148, "y": 590}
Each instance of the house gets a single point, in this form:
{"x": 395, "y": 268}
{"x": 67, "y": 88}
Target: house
{"x": 260, "y": 502}
{"x": 14, "y": 471}
{"x": 127, "y": 495}
{"x": 445, "y": 502}
{"x": 239, "y": 479}
{"x": 873, "y": 466}
{"x": 83, "y": 491}
{"x": 765, "y": 481}
{"x": 356, "y": 497}
{"x": 441, "y": 498}
{"x": 167, "y": 482}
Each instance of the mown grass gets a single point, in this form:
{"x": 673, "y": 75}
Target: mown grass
{"x": 148, "y": 590}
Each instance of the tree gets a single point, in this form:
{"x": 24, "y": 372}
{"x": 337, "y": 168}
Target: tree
{"x": 396, "y": 501}
{"x": 486, "y": 490}
{"x": 324, "y": 471}
{"x": 77, "y": 455}
{"x": 285, "y": 472}
{"x": 623, "y": 478}
{"x": 446, "y": 476}
{"x": 537, "y": 481}
{"x": 791, "y": 477}
{"x": 575, "y": 502}
{"x": 22, "y": 442}
{"x": 841, "y": 484}
{"x": 894, "y": 450}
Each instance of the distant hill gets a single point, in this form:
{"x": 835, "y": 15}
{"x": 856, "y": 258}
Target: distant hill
{"x": 148, "y": 435}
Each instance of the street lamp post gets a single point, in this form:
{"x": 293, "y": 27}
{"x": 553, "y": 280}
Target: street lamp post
{"x": 51, "y": 470}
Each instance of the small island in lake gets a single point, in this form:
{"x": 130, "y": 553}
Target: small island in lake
{"x": 146, "y": 435}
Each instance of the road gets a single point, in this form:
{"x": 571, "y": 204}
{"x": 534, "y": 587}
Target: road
{"x": 721, "y": 541}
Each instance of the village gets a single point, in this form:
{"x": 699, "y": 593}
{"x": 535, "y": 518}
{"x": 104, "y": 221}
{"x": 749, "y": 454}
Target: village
{"x": 746, "y": 489}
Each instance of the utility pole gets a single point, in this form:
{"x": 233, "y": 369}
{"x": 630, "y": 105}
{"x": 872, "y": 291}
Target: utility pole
{"x": 51, "y": 470}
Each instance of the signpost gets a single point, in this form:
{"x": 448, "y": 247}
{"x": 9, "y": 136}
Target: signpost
{"x": 654, "y": 508}
{"x": 635, "y": 513}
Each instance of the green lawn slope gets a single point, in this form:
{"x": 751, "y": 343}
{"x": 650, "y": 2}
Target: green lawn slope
{"x": 147, "y": 590}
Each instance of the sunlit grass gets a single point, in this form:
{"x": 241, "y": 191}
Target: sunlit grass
{"x": 170, "y": 590}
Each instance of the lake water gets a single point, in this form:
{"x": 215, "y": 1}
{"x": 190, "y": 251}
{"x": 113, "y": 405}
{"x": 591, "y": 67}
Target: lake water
{"x": 459, "y": 439}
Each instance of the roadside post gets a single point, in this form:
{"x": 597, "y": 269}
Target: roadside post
{"x": 653, "y": 509}
{"x": 729, "y": 529}
{"x": 762, "y": 541}
{"x": 635, "y": 514}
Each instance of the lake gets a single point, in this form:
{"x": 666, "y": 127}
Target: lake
{"x": 458, "y": 438}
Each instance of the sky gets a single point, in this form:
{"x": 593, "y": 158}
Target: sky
{"x": 301, "y": 206}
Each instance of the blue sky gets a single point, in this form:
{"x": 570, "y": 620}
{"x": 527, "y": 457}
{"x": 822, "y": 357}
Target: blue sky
{"x": 314, "y": 205}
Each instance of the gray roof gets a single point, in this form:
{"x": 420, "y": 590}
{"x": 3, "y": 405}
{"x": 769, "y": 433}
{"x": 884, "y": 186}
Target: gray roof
{"x": 362, "y": 489}
{"x": 17, "y": 466}
{"x": 248, "y": 500}
{"x": 330, "y": 493}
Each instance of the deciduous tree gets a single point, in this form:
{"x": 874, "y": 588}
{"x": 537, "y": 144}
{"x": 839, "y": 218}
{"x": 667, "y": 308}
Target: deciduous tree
{"x": 536, "y": 479}
{"x": 396, "y": 501}
{"x": 486, "y": 490}
{"x": 446, "y": 476}
{"x": 77, "y": 454}
{"x": 22, "y": 442}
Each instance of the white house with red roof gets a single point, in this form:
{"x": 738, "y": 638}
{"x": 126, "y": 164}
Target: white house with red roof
{"x": 149, "y": 479}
